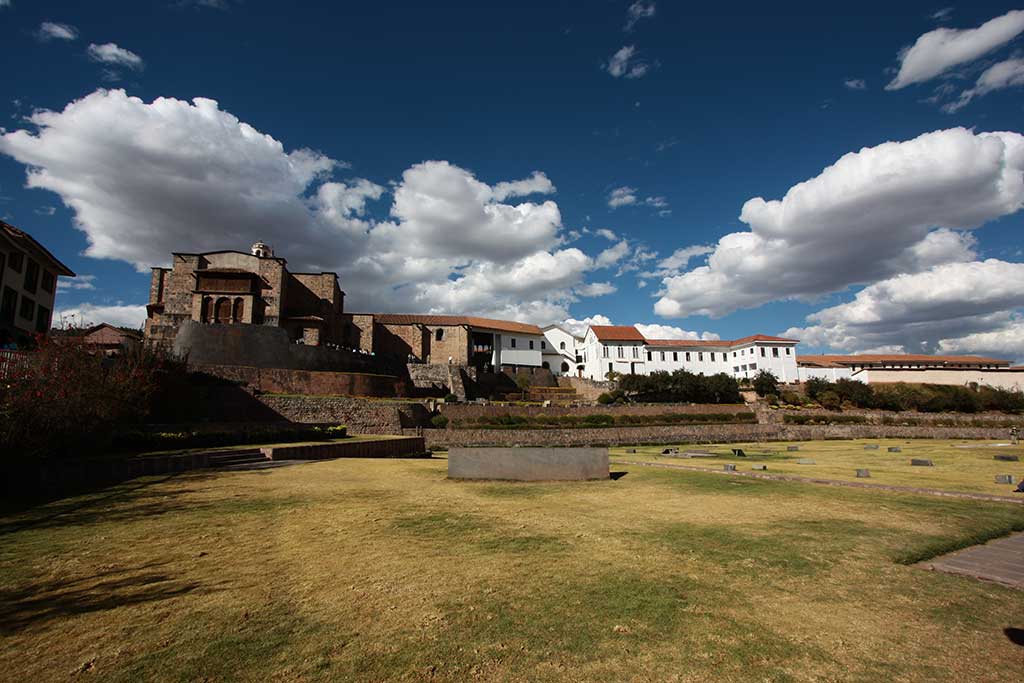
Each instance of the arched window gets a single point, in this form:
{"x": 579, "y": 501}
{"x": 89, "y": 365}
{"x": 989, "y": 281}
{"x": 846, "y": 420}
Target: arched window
{"x": 562, "y": 346}
{"x": 222, "y": 312}
{"x": 545, "y": 365}
{"x": 439, "y": 334}
{"x": 239, "y": 312}
{"x": 565, "y": 367}
{"x": 206, "y": 314}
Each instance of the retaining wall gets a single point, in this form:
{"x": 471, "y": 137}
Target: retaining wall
{"x": 360, "y": 415}
{"x": 404, "y": 447}
{"x": 306, "y": 382}
{"x": 610, "y": 436}
{"x": 470, "y": 412}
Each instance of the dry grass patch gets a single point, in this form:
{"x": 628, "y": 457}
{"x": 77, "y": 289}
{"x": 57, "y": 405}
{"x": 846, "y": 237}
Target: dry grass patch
{"x": 371, "y": 570}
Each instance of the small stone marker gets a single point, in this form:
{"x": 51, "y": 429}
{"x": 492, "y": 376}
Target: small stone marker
{"x": 921, "y": 462}
{"x": 1006, "y": 457}
{"x": 792, "y": 448}
{"x": 738, "y": 452}
{"x": 759, "y": 468}
{"x": 871, "y": 447}
{"x": 863, "y": 474}
{"x": 669, "y": 451}
{"x": 895, "y": 449}
{"x": 729, "y": 467}
{"x": 1005, "y": 479}
{"x": 805, "y": 461}
{"x": 631, "y": 450}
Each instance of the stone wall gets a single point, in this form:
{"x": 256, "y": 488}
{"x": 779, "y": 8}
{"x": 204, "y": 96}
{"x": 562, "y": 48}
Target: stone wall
{"x": 263, "y": 346}
{"x": 470, "y": 412}
{"x": 307, "y": 383}
{"x": 877, "y": 416}
{"x": 445, "y": 438}
{"x": 588, "y": 389}
{"x": 360, "y": 416}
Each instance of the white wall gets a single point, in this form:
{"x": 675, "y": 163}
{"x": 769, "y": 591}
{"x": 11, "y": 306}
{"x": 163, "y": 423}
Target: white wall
{"x": 555, "y": 355}
{"x": 763, "y": 356}
{"x": 700, "y": 361}
{"x": 830, "y": 374}
{"x": 522, "y": 354}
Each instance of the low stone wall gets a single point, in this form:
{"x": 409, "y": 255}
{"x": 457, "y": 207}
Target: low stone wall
{"x": 306, "y": 382}
{"x": 610, "y": 436}
{"x": 472, "y": 411}
{"x": 876, "y": 417}
{"x": 406, "y": 447}
{"x": 362, "y": 416}
{"x": 588, "y": 389}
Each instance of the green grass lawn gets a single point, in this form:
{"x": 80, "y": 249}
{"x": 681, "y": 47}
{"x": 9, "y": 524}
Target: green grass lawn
{"x": 383, "y": 570}
{"x": 959, "y": 465}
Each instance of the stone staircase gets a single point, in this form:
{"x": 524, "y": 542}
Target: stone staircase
{"x": 237, "y": 459}
{"x": 559, "y": 396}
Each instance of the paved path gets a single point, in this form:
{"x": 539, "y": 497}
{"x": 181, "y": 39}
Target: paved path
{"x": 1019, "y": 499}
{"x": 1001, "y": 560}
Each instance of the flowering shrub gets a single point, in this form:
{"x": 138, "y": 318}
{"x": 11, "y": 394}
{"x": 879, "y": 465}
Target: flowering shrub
{"x": 66, "y": 399}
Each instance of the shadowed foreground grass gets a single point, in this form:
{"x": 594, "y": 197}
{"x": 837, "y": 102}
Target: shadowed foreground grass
{"x": 372, "y": 570}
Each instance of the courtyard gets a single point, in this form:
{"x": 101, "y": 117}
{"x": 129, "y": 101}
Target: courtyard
{"x": 372, "y": 570}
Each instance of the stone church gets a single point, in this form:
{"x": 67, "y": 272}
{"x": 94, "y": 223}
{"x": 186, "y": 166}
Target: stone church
{"x": 235, "y": 288}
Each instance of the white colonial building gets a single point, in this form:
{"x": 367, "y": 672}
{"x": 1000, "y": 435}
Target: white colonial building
{"x": 623, "y": 349}
{"x": 560, "y": 351}
{"x": 914, "y": 369}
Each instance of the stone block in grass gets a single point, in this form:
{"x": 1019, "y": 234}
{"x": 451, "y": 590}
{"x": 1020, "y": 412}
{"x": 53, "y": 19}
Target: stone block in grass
{"x": 895, "y": 449}
{"x": 805, "y": 461}
{"x": 863, "y": 474}
{"x": 921, "y": 462}
{"x": 792, "y": 448}
{"x": 759, "y": 468}
{"x": 1005, "y": 479}
{"x": 1006, "y": 457}
{"x": 871, "y": 447}
{"x": 729, "y": 467}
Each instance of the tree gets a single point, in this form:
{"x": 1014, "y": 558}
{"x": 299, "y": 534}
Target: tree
{"x": 765, "y": 383}
{"x": 830, "y": 400}
{"x": 817, "y": 385}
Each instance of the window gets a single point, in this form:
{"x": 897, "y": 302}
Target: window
{"x": 8, "y": 305}
{"x": 735, "y": 368}
{"x": 712, "y": 356}
{"x": 604, "y": 351}
{"x": 42, "y": 319}
{"x": 543, "y": 345}
{"x": 675, "y": 355}
{"x": 621, "y": 351}
{"x": 531, "y": 345}
{"x": 609, "y": 367}
{"x": 789, "y": 351}
{"x": 775, "y": 352}
{"x": 438, "y": 334}
{"x": 48, "y": 280}
{"x": 561, "y": 346}
{"x": 28, "y": 308}
{"x": 649, "y": 354}
{"x": 512, "y": 342}
{"x": 662, "y": 355}
{"x": 700, "y": 356}
{"x": 687, "y": 356}
{"x": 753, "y": 366}
{"x": 762, "y": 352}
{"x": 31, "y": 276}
{"x": 636, "y": 352}
{"x": 733, "y": 354}
{"x": 16, "y": 260}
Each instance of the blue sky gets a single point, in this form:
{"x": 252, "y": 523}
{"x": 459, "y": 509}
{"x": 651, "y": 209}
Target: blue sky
{"x": 682, "y": 114}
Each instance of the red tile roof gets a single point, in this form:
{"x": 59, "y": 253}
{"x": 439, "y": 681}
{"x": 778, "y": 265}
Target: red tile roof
{"x": 617, "y": 333}
{"x": 764, "y": 338}
{"x": 689, "y": 343}
{"x": 919, "y": 358}
{"x": 25, "y": 241}
{"x": 468, "y": 320}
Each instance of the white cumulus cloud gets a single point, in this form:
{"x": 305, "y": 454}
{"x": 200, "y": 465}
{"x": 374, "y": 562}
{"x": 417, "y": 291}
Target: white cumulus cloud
{"x": 658, "y": 331}
{"x": 1006, "y": 74}
{"x": 637, "y": 11}
{"x": 938, "y": 51}
{"x": 145, "y": 179}
{"x": 111, "y": 53}
{"x": 918, "y": 311}
{"x": 895, "y": 208}
{"x": 49, "y": 30}
{"x": 626, "y": 63}
{"x": 83, "y": 315}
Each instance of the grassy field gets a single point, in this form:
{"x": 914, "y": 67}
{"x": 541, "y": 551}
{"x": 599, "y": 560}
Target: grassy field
{"x": 959, "y": 465}
{"x": 374, "y": 570}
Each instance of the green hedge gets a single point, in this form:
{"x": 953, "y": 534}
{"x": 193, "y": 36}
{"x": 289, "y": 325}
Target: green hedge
{"x": 144, "y": 441}
{"x": 600, "y": 420}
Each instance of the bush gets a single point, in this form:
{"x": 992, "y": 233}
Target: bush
{"x": 772, "y": 399}
{"x": 65, "y": 399}
{"x": 824, "y": 419}
{"x": 830, "y": 400}
{"x": 439, "y": 421}
{"x": 792, "y": 398}
{"x": 451, "y": 398}
{"x": 765, "y": 384}
{"x": 606, "y": 399}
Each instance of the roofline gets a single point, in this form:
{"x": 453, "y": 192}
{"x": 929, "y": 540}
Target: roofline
{"x": 228, "y": 251}
{"x": 61, "y": 266}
